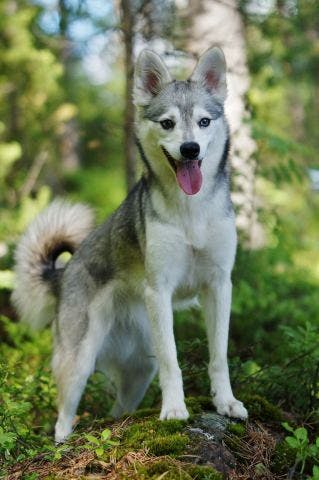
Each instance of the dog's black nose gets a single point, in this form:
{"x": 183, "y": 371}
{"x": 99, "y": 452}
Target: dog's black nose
{"x": 190, "y": 150}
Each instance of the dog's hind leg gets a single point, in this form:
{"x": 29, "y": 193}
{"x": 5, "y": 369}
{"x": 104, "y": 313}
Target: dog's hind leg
{"x": 71, "y": 372}
{"x": 128, "y": 359}
{"x": 132, "y": 383}
{"x": 74, "y": 363}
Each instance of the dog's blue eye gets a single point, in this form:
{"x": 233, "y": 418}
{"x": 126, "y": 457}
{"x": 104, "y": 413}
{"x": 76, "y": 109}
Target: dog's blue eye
{"x": 167, "y": 124}
{"x": 204, "y": 122}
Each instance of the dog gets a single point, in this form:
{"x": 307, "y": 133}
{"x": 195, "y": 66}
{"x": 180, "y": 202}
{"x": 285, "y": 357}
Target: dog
{"x": 171, "y": 241}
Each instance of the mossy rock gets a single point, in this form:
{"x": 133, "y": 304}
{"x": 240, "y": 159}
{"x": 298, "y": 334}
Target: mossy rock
{"x": 260, "y": 409}
{"x": 159, "y": 437}
{"x": 202, "y": 472}
{"x": 172, "y": 445}
{"x": 177, "y": 470}
{"x": 237, "y": 429}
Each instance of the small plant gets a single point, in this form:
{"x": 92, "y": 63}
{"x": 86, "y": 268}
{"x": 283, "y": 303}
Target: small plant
{"x": 315, "y": 473}
{"x": 7, "y": 442}
{"x": 58, "y": 451}
{"x": 99, "y": 445}
{"x": 305, "y": 450}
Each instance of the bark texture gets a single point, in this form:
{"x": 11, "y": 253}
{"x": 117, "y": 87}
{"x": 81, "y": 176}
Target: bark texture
{"x": 69, "y": 138}
{"x": 127, "y": 24}
{"x": 218, "y": 22}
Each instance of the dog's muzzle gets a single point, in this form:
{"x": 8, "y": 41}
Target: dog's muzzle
{"x": 187, "y": 170}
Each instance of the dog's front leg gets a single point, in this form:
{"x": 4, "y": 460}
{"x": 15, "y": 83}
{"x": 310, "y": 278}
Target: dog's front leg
{"x": 159, "y": 307}
{"x": 217, "y": 304}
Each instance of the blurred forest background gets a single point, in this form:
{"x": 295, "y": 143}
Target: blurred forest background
{"x": 66, "y": 129}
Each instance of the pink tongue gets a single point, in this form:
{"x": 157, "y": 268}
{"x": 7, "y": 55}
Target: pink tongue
{"x": 189, "y": 176}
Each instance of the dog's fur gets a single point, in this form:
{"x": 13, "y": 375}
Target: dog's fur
{"x": 160, "y": 248}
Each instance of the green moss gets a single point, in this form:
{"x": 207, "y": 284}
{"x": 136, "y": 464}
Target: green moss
{"x": 144, "y": 412}
{"x": 181, "y": 471}
{"x": 260, "y": 409}
{"x": 237, "y": 429}
{"x": 168, "y": 474}
{"x": 202, "y": 472}
{"x": 169, "y": 445}
{"x": 159, "y": 437}
{"x": 149, "y": 428}
{"x": 156, "y": 469}
{"x": 284, "y": 457}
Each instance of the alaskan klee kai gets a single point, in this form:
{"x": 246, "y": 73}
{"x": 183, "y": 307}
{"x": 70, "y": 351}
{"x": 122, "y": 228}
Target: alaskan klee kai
{"x": 172, "y": 240}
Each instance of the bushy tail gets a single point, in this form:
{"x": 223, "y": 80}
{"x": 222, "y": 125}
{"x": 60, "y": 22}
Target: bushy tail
{"x": 60, "y": 227}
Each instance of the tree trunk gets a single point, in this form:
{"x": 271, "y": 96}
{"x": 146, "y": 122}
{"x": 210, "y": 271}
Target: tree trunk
{"x": 69, "y": 131}
{"x": 127, "y": 23}
{"x": 218, "y": 22}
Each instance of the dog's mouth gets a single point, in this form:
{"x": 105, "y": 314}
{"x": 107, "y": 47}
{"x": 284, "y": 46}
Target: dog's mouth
{"x": 188, "y": 173}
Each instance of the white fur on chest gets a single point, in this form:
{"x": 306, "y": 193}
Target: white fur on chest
{"x": 184, "y": 251}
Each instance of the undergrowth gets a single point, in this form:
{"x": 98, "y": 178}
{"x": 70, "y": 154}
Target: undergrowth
{"x": 274, "y": 365}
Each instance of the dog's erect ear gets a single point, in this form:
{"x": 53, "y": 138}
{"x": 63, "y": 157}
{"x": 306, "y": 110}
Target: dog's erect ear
{"x": 151, "y": 75}
{"x": 210, "y": 71}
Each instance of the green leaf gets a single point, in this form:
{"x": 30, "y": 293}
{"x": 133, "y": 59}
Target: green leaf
{"x": 113, "y": 442}
{"x": 99, "y": 451}
{"x": 301, "y": 433}
{"x": 313, "y": 450}
{"x": 7, "y": 440}
{"x": 287, "y": 427}
{"x": 92, "y": 439}
{"x": 106, "y": 434}
{"x": 88, "y": 447}
{"x": 315, "y": 472}
{"x": 292, "y": 442}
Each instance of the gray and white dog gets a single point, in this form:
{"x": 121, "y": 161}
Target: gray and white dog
{"x": 171, "y": 240}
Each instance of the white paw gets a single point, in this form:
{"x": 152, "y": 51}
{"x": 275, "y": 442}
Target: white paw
{"x": 230, "y": 407}
{"x": 62, "y": 431}
{"x": 174, "y": 413}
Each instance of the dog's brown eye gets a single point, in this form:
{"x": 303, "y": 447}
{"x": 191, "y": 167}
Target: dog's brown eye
{"x": 167, "y": 124}
{"x": 204, "y": 122}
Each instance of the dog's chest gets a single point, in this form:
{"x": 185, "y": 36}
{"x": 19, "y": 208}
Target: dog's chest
{"x": 198, "y": 261}
{"x": 183, "y": 251}
{"x": 195, "y": 223}
{"x": 191, "y": 257}
{"x": 195, "y": 232}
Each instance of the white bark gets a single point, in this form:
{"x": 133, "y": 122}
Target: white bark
{"x": 218, "y": 22}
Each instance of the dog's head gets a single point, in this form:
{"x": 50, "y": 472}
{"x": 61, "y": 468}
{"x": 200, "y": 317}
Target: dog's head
{"x": 180, "y": 117}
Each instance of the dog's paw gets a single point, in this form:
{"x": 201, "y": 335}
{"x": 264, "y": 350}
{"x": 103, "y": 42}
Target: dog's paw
{"x": 62, "y": 431}
{"x": 178, "y": 412}
{"x": 230, "y": 407}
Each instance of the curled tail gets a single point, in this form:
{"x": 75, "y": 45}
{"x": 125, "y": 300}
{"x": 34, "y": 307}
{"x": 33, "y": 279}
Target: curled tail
{"x": 60, "y": 227}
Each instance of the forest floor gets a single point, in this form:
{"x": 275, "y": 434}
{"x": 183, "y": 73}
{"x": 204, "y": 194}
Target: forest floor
{"x": 139, "y": 446}
{"x": 273, "y": 356}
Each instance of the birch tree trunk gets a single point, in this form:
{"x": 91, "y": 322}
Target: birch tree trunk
{"x": 127, "y": 24}
{"x": 218, "y": 22}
